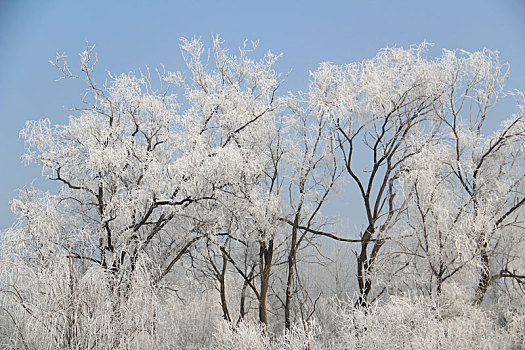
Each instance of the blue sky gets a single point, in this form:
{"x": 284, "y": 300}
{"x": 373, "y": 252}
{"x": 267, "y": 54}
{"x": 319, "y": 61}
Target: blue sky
{"x": 129, "y": 34}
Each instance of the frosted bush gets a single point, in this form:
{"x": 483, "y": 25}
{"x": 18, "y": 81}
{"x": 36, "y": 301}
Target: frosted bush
{"x": 422, "y": 323}
{"x": 244, "y": 336}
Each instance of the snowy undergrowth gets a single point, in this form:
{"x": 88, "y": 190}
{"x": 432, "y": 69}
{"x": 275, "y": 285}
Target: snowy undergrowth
{"x": 401, "y": 323}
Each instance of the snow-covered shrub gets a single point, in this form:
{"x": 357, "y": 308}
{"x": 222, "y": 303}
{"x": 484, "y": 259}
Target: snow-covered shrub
{"x": 425, "y": 323}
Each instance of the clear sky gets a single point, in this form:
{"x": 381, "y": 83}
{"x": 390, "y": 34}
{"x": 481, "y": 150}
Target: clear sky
{"x": 129, "y": 34}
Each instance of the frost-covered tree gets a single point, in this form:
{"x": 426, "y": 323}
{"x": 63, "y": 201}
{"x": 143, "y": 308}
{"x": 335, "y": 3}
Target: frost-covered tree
{"x": 382, "y": 113}
{"x": 466, "y": 191}
{"x": 311, "y": 175}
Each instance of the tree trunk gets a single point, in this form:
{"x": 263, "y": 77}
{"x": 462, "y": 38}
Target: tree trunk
{"x": 222, "y": 282}
{"x": 289, "y": 281}
{"x": 242, "y": 311}
{"x": 265, "y": 265}
{"x": 363, "y": 268}
{"x": 484, "y": 280}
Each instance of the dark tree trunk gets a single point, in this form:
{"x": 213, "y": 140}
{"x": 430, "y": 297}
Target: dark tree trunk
{"x": 484, "y": 279}
{"x": 222, "y": 283}
{"x": 265, "y": 265}
{"x": 289, "y": 281}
